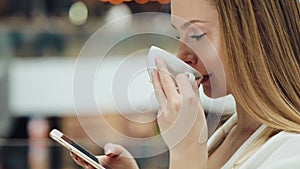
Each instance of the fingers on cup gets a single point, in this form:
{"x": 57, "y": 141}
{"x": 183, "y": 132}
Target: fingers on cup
{"x": 165, "y": 78}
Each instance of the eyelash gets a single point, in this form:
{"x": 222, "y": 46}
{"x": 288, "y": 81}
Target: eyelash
{"x": 197, "y": 37}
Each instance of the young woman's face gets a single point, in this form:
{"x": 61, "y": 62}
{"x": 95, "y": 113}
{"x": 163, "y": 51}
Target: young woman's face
{"x": 200, "y": 44}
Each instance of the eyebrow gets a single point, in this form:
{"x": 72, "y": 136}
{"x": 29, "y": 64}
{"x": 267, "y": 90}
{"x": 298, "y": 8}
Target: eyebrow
{"x": 188, "y": 23}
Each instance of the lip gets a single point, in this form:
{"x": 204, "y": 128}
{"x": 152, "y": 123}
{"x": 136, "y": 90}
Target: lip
{"x": 204, "y": 79}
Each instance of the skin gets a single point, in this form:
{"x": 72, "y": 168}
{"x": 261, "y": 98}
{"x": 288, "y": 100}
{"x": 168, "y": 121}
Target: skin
{"x": 116, "y": 157}
{"x": 180, "y": 98}
{"x": 203, "y": 10}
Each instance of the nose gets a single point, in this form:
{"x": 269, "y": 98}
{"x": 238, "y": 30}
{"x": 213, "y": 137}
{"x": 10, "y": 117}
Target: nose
{"x": 187, "y": 55}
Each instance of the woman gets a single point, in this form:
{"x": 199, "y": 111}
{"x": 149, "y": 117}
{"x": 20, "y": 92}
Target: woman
{"x": 257, "y": 41}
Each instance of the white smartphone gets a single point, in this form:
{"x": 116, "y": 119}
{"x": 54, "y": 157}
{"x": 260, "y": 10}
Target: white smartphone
{"x": 75, "y": 148}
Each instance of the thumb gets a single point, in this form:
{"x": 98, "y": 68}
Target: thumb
{"x": 196, "y": 88}
{"x": 116, "y": 150}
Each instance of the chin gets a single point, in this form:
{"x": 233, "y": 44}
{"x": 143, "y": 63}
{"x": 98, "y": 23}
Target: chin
{"x": 216, "y": 93}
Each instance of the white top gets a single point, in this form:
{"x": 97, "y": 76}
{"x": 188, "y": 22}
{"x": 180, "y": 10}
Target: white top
{"x": 280, "y": 151}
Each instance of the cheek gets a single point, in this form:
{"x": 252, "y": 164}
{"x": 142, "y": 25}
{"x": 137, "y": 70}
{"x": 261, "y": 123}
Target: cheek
{"x": 209, "y": 53}
{"x": 222, "y": 72}
{"x": 224, "y": 75}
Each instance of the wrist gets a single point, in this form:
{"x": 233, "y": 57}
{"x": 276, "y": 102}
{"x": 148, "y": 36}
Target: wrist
{"x": 191, "y": 148}
{"x": 194, "y": 155}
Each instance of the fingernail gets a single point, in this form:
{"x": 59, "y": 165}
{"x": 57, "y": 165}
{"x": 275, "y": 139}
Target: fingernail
{"x": 152, "y": 72}
{"x": 157, "y": 60}
{"x": 112, "y": 155}
{"x": 108, "y": 149}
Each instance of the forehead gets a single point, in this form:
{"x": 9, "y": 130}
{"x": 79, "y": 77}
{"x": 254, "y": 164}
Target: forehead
{"x": 185, "y": 10}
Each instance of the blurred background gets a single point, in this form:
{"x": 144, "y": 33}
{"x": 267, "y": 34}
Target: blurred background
{"x": 39, "y": 43}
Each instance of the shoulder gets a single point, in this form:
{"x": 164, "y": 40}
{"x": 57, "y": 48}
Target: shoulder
{"x": 283, "y": 142}
{"x": 282, "y": 150}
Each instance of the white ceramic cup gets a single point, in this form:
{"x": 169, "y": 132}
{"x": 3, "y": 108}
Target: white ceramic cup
{"x": 174, "y": 64}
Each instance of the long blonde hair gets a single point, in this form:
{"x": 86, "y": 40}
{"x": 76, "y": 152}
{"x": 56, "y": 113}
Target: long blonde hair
{"x": 261, "y": 39}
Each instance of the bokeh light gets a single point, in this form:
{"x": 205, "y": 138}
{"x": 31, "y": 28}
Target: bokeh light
{"x": 78, "y": 13}
{"x": 115, "y": 2}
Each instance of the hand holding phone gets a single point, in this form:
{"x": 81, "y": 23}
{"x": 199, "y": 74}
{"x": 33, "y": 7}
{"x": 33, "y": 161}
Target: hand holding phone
{"x": 75, "y": 148}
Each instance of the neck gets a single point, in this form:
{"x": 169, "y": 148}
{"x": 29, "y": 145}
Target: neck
{"x": 246, "y": 123}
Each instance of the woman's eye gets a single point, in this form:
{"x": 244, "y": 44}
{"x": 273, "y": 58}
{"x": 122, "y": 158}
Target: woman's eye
{"x": 197, "y": 37}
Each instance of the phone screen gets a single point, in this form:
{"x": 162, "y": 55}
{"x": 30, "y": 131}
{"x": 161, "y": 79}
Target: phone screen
{"x": 86, "y": 152}
{"x": 75, "y": 148}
